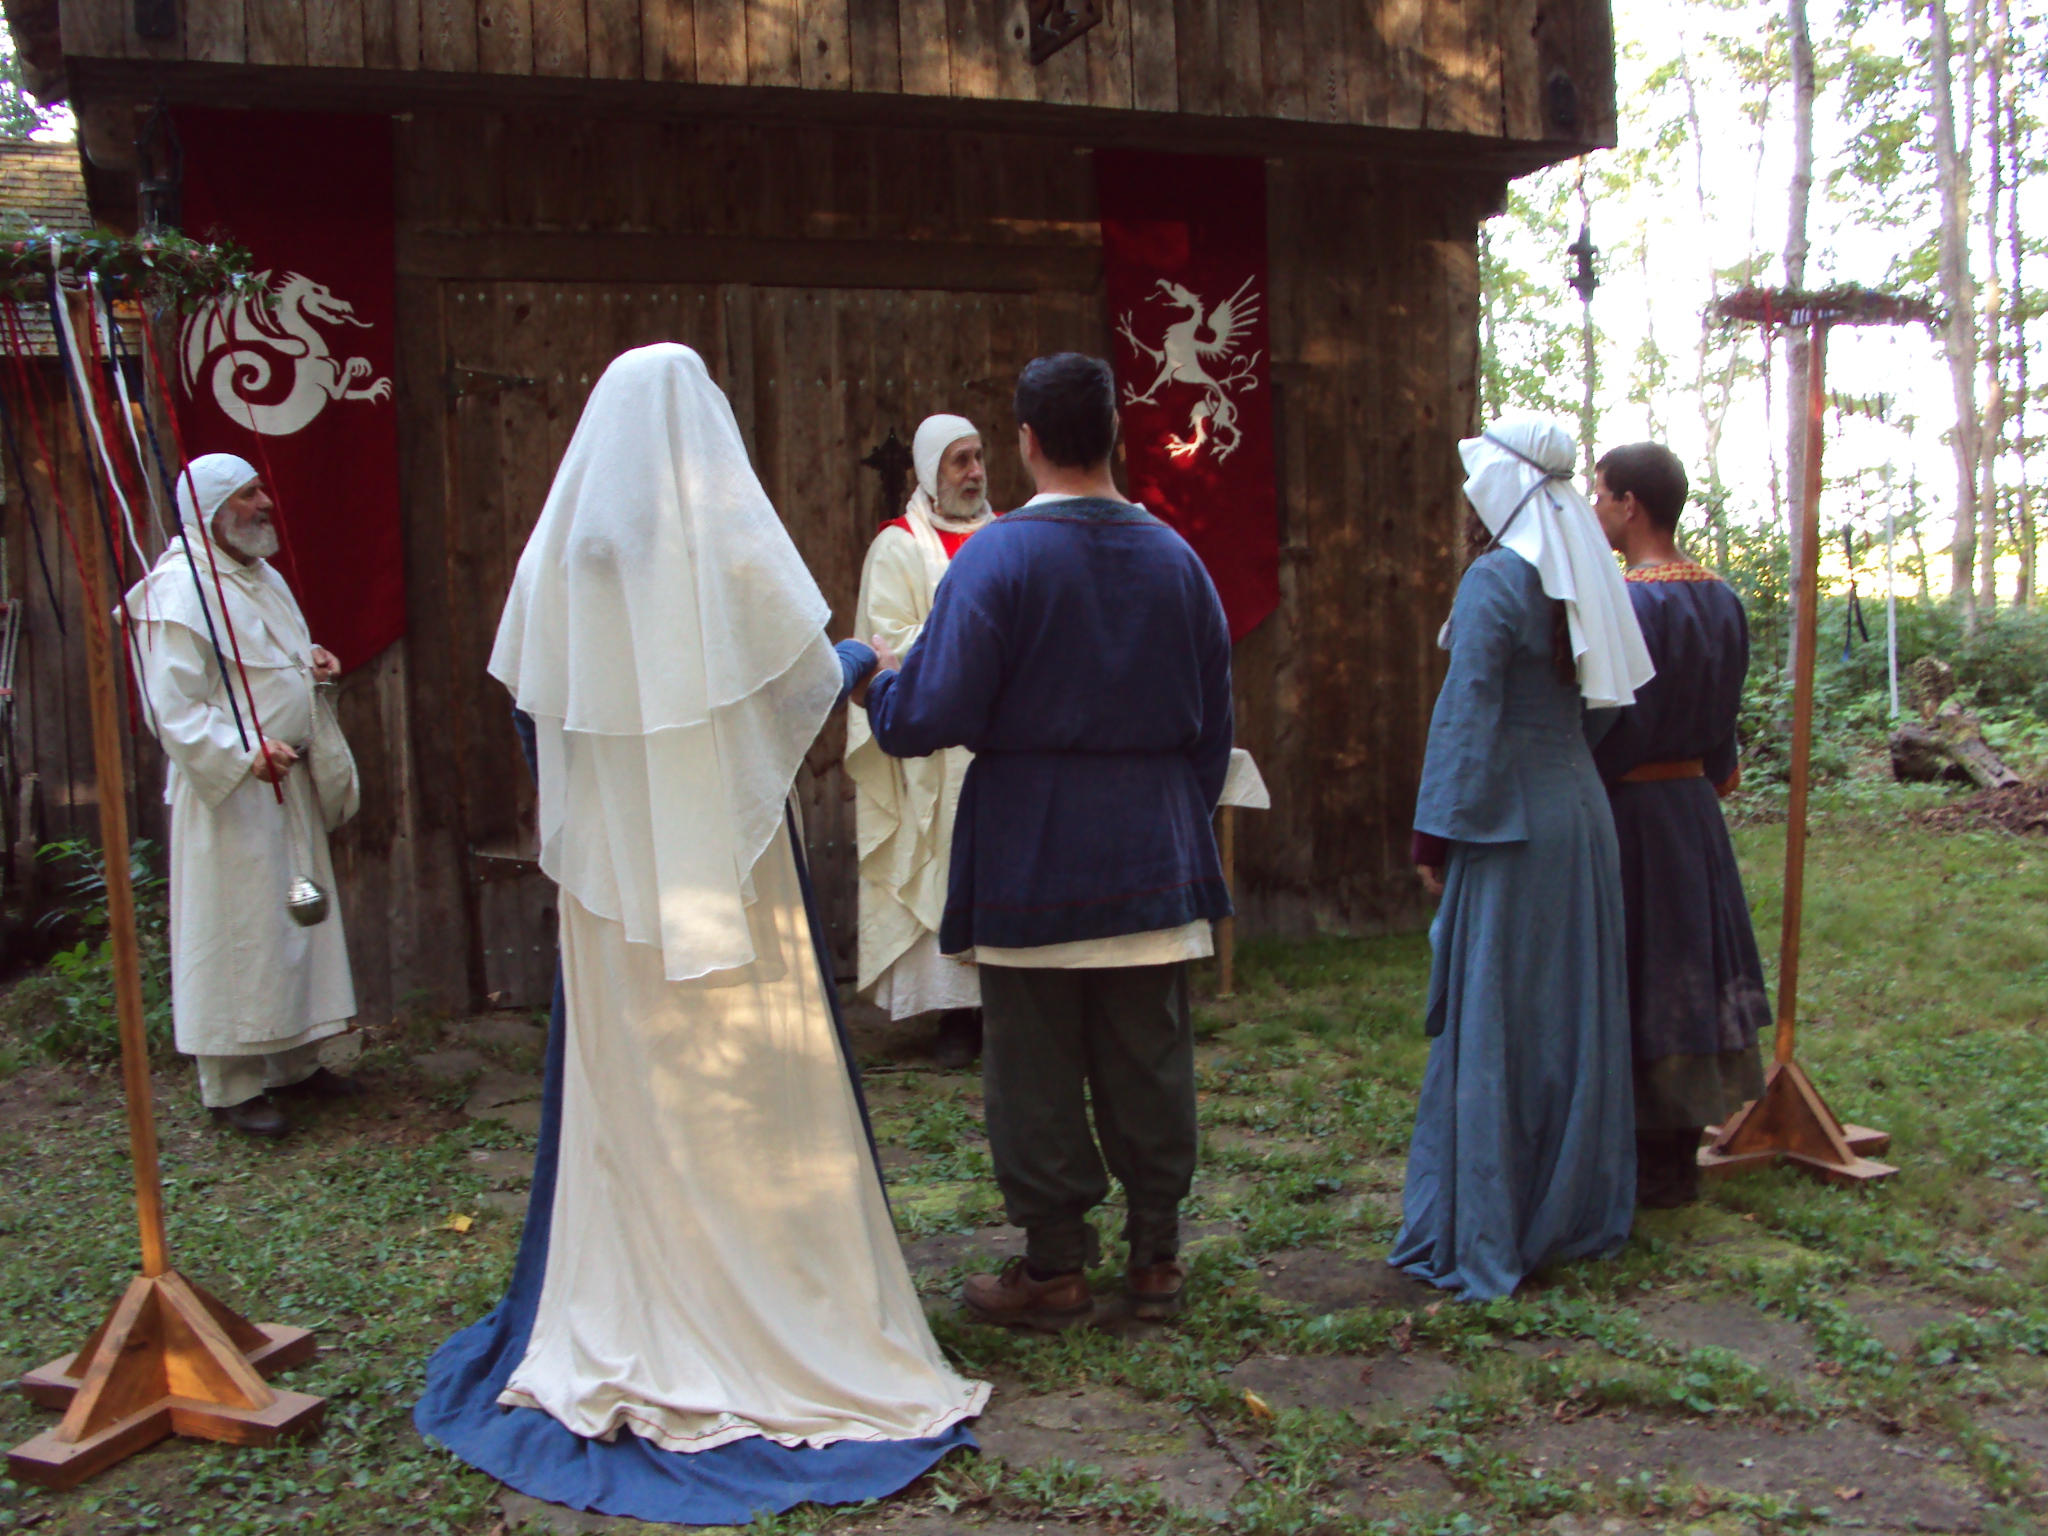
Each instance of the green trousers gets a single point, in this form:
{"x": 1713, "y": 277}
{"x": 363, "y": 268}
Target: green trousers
{"x": 1058, "y": 1043}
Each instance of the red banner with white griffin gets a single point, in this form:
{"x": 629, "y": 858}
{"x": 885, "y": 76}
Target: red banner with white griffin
{"x": 1184, "y": 261}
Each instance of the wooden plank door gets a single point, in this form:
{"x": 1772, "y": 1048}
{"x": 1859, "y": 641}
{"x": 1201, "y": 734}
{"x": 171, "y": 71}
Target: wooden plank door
{"x": 818, "y": 377}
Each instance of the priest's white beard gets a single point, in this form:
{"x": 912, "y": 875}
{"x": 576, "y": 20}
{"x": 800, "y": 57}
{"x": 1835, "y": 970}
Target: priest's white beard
{"x": 957, "y": 513}
{"x": 251, "y": 542}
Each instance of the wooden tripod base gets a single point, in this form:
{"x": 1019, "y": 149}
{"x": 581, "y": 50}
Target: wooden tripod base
{"x": 1792, "y": 1121}
{"x": 169, "y": 1360}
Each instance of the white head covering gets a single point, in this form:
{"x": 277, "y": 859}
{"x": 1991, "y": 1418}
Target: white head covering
{"x": 194, "y": 573}
{"x": 208, "y": 481}
{"x": 935, "y": 434}
{"x": 670, "y": 645}
{"x": 1519, "y": 479}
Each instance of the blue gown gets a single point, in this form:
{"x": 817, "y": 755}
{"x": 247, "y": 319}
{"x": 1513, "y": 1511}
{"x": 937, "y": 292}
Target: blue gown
{"x": 628, "y": 1475}
{"x": 1524, "y": 1145}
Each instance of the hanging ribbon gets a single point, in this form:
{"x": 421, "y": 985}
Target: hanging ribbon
{"x": 169, "y": 483}
{"x": 227, "y": 620}
{"x": 77, "y": 386}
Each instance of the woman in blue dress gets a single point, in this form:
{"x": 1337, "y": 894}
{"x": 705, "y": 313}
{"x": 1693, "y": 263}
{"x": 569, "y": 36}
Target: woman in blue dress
{"x": 1524, "y": 1145}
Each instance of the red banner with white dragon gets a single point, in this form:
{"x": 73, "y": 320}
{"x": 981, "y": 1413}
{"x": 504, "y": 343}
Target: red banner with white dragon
{"x": 301, "y": 385}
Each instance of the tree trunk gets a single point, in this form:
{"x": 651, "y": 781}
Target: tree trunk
{"x": 1994, "y": 332}
{"x": 1958, "y": 293}
{"x": 1919, "y": 545}
{"x": 2016, "y": 306}
{"x": 1798, "y": 350}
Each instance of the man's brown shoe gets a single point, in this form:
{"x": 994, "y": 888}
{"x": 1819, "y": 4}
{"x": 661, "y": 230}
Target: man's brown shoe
{"x": 255, "y": 1117}
{"x": 1015, "y": 1300}
{"x": 1155, "y": 1290}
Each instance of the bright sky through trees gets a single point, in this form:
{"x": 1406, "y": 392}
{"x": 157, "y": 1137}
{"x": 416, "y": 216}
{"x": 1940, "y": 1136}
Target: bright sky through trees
{"x": 1672, "y": 207}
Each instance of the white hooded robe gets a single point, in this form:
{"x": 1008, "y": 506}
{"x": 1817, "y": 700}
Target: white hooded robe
{"x": 246, "y": 980}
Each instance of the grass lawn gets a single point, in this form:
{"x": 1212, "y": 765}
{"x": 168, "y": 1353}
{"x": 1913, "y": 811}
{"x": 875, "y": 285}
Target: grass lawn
{"x": 1787, "y": 1356}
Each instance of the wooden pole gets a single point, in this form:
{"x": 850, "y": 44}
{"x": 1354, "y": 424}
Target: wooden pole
{"x": 169, "y": 1359}
{"x": 1806, "y": 620}
{"x": 1792, "y": 1120}
{"x": 111, "y": 771}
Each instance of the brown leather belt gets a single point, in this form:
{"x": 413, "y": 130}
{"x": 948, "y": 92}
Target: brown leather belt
{"x": 1656, "y": 773}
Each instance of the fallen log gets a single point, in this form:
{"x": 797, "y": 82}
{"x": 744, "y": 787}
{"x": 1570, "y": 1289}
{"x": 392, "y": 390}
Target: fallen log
{"x": 1947, "y": 741}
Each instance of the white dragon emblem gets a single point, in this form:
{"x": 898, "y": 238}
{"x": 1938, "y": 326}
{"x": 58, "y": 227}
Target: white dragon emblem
{"x": 1213, "y": 364}
{"x": 236, "y": 345}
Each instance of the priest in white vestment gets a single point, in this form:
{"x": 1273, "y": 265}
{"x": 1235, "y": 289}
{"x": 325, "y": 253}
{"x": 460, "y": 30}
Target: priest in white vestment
{"x": 231, "y": 682}
{"x": 722, "y": 1263}
{"x": 904, "y": 807}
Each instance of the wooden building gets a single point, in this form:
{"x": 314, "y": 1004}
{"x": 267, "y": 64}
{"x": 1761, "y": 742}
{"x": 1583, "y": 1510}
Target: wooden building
{"x": 49, "y": 792}
{"x": 860, "y": 212}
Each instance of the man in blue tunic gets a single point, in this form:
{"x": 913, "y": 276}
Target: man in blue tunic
{"x": 1078, "y": 649}
{"x": 1695, "y": 983}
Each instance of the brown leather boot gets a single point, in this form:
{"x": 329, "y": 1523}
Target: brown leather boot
{"x": 1155, "y": 1290}
{"x": 1015, "y": 1300}
{"x": 255, "y": 1117}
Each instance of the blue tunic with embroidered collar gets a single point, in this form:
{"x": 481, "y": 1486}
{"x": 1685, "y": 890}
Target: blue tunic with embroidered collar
{"x": 1695, "y": 980}
{"x": 1078, "y": 649}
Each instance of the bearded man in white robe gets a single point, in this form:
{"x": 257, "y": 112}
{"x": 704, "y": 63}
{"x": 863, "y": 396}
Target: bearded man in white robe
{"x": 231, "y": 679}
{"x": 904, "y": 809}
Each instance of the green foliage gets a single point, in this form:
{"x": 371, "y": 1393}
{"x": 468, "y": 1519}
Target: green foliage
{"x": 2005, "y": 661}
{"x": 67, "y": 1013}
{"x": 20, "y": 117}
{"x": 161, "y": 264}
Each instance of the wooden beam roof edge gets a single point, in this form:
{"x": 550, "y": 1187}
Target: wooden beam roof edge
{"x": 307, "y": 88}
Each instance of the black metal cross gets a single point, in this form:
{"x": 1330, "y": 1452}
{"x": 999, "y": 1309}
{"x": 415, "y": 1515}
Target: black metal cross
{"x": 892, "y": 461}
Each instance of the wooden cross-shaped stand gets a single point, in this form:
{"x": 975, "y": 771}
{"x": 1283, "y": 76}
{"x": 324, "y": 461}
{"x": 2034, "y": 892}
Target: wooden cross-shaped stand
{"x": 169, "y": 1359}
{"x": 1792, "y": 1121}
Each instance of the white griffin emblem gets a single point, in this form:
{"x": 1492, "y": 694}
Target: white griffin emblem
{"x": 1204, "y": 350}
{"x": 238, "y": 345}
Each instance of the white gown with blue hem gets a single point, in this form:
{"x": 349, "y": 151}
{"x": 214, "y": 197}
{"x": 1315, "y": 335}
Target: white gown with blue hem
{"x": 793, "y": 1362}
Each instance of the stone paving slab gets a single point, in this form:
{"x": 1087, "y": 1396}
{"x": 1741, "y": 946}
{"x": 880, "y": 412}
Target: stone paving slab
{"x": 504, "y": 1166}
{"x": 1369, "y": 1387}
{"x": 1764, "y": 1339}
{"x": 498, "y": 1088}
{"x": 1321, "y": 1280}
{"x": 450, "y": 1066}
{"x": 505, "y": 1032}
{"x": 1897, "y": 1318}
{"x": 1134, "y": 1441}
{"x": 1899, "y": 1483}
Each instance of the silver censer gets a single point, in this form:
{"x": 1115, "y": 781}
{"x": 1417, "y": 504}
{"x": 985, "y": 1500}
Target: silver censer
{"x": 306, "y": 902}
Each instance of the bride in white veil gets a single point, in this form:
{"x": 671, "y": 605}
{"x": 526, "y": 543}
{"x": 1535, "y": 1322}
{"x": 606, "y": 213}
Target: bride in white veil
{"x": 721, "y": 1263}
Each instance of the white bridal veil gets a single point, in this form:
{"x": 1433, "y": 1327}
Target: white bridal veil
{"x": 670, "y": 645}
{"x": 1519, "y": 480}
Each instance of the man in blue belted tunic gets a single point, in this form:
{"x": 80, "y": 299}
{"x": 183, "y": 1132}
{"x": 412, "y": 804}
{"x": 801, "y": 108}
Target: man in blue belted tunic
{"x": 1078, "y": 648}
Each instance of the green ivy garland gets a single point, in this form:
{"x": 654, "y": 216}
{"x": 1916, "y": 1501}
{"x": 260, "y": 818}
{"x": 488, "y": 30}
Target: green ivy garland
{"x": 161, "y": 266}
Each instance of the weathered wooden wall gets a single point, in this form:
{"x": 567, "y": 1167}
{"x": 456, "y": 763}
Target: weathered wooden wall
{"x": 841, "y": 286}
{"x": 1375, "y": 362}
{"x": 51, "y": 723}
{"x": 1474, "y": 67}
